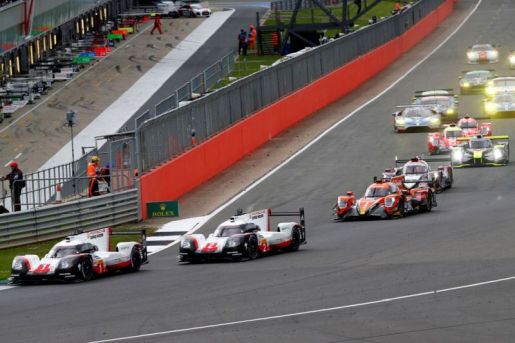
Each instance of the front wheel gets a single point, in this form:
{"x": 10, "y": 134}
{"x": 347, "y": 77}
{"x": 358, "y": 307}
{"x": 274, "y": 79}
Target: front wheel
{"x": 252, "y": 248}
{"x": 429, "y": 203}
{"x": 86, "y": 270}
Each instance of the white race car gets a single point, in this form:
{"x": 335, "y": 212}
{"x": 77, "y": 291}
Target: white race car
{"x": 82, "y": 257}
{"x": 511, "y": 59}
{"x": 245, "y": 236}
{"x": 482, "y": 53}
{"x": 194, "y": 10}
{"x": 500, "y": 85}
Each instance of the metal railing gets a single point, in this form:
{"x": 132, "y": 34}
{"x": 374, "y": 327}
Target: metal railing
{"x": 198, "y": 86}
{"x": 169, "y": 134}
{"x": 49, "y": 222}
{"x": 289, "y": 5}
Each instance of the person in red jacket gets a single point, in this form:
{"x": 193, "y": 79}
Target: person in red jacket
{"x": 157, "y": 25}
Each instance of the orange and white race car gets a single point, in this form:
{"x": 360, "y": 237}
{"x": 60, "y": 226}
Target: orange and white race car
{"x": 386, "y": 199}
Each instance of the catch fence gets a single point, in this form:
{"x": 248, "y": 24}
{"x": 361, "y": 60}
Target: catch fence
{"x": 170, "y": 134}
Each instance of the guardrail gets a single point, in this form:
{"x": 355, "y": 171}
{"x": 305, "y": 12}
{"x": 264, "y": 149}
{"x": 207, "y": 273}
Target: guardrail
{"x": 50, "y": 222}
{"x": 169, "y": 134}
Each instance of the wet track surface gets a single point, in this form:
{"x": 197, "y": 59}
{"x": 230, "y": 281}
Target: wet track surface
{"x": 467, "y": 239}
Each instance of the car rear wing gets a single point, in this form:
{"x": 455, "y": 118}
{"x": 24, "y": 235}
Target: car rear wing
{"x": 492, "y": 138}
{"x": 143, "y": 240}
{"x": 468, "y": 71}
{"x": 299, "y": 213}
{"x": 421, "y": 158}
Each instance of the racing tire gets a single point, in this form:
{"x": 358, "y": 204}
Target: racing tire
{"x": 295, "y": 240}
{"x": 135, "y": 259}
{"x": 401, "y": 209}
{"x": 86, "y": 270}
{"x": 252, "y": 248}
{"x": 429, "y": 204}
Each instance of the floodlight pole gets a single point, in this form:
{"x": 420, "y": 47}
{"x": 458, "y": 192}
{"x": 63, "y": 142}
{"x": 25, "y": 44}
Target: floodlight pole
{"x": 70, "y": 116}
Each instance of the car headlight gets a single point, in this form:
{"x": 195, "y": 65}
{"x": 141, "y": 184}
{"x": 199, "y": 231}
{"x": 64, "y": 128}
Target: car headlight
{"x": 512, "y": 59}
{"x": 450, "y": 111}
{"x": 490, "y": 91}
{"x": 490, "y": 107}
{"x": 388, "y": 202}
{"x": 495, "y": 53}
{"x": 465, "y": 84}
{"x": 457, "y": 155}
{"x": 187, "y": 244}
{"x": 470, "y": 55}
{"x": 435, "y": 120}
{"x": 65, "y": 264}
{"x": 400, "y": 121}
{"x": 233, "y": 242}
{"x": 498, "y": 154}
{"x": 18, "y": 264}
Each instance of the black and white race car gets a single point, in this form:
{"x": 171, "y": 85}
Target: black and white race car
{"x": 481, "y": 151}
{"x": 81, "y": 257}
{"x": 245, "y": 236}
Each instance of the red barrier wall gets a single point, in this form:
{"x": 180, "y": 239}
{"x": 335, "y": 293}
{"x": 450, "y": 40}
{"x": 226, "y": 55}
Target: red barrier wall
{"x": 180, "y": 175}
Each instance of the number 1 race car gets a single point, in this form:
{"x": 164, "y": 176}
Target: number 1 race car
{"x": 442, "y": 142}
{"x": 481, "y": 151}
{"x": 416, "y": 169}
{"x": 245, "y": 236}
{"x": 82, "y": 257}
{"x": 386, "y": 199}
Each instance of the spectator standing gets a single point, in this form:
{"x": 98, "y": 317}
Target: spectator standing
{"x": 275, "y": 42}
{"x": 157, "y": 24}
{"x": 358, "y": 3}
{"x": 94, "y": 175}
{"x": 16, "y": 184}
{"x": 242, "y": 38}
{"x": 252, "y": 37}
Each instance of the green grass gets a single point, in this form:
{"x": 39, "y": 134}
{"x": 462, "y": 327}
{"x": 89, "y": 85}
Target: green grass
{"x": 316, "y": 15}
{"x": 246, "y": 65}
{"x": 40, "y": 249}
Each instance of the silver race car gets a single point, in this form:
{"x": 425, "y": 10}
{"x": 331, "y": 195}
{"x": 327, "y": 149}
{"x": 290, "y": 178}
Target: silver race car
{"x": 500, "y": 85}
{"x": 446, "y": 105}
{"x": 475, "y": 81}
{"x": 482, "y": 53}
{"x": 416, "y": 117}
{"x": 500, "y": 104}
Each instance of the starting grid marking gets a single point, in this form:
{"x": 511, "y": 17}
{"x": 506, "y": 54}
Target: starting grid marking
{"x": 172, "y": 232}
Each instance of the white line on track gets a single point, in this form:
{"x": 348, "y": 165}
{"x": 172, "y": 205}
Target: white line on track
{"x": 334, "y": 126}
{"x": 71, "y": 81}
{"x": 297, "y": 314}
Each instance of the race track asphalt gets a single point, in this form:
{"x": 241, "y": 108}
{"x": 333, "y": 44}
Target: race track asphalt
{"x": 468, "y": 239}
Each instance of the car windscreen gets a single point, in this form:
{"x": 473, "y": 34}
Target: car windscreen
{"x": 468, "y": 124}
{"x": 64, "y": 251}
{"x": 417, "y": 112}
{"x": 483, "y": 74}
{"x": 376, "y": 192}
{"x": 453, "y": 133}
{"x": 229, "y": 231}
{"x": 415, "y": 169}
{"x": 435, "y": 101}
{"x": 480, "y": 144}
{"x": 484, "y": 47}
{"x": 504, "y": 98}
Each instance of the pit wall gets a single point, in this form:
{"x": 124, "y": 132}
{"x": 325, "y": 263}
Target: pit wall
{"x": 177, "y": 177}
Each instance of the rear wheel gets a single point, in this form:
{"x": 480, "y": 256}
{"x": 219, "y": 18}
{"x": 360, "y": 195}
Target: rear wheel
{"x": 400, "y": 209}
{"x": 86, "y": 270}
{"x": 135, "y": 259}
{"x": 252, "y": 248}
{"x": 295, "y": 239}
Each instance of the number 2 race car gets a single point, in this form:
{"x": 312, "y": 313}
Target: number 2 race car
{"x": 386, "y": 199}
{"x": 81, "y": 257}
{"x": 245, "y": 236}
{"x": 481, "y": 151}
